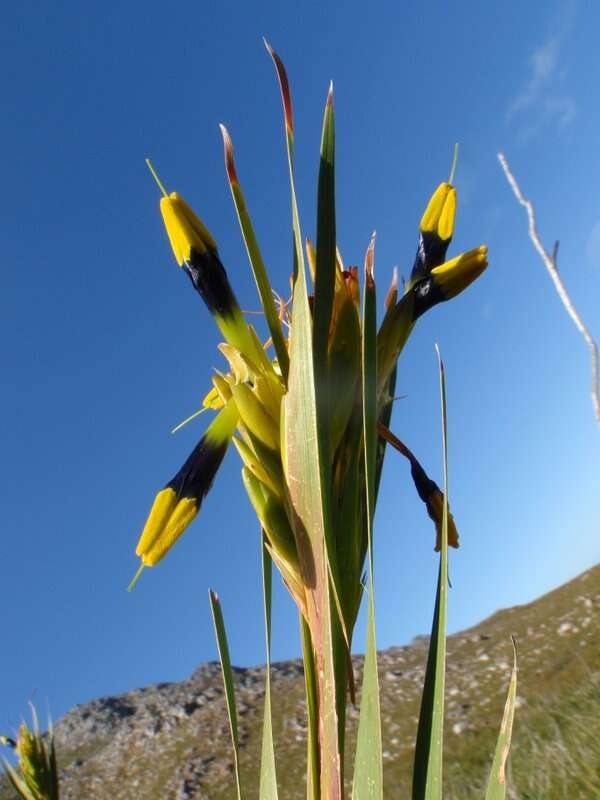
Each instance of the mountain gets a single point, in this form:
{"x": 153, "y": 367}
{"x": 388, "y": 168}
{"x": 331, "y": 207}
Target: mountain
{"x": 170, "y": 741}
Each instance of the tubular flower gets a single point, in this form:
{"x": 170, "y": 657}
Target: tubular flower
{"x": 427, "y": 489}
{"x": 196, "y": 252}
{"x": 433, "y": 497}
{"x": 448, "y": 280}
{"x": 432, "y": 280}
{"x": 435, "y": 232}
{"x": 177, "y": 504}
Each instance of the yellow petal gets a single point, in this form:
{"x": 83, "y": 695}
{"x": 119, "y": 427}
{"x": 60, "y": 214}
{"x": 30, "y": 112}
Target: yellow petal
{"x": 184, "y": 512}
{"x": 433, "y": 212}
{"x": 455, "y": 275}
{"x": 162, "y": 508}
{"x": 185, "y": 230}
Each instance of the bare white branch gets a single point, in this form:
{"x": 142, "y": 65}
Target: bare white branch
{"x": 550, "y": 262}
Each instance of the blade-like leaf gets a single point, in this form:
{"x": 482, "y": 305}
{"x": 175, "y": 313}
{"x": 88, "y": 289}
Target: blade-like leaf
{"x": 496, "y": 788}
{"x": 427, "y": 771}
{"x": 326, "y": 250}
{"x": 17, "y": 782}
{"x": 256, "y": 261}
{"x": 227, "y": 672}
{"x": 312, "y": 708}
{"x": 368, "y": 769}
{"x": 324, "y": 389}
{"x": 268, "y": 775}
{"x": 307, "y": 485}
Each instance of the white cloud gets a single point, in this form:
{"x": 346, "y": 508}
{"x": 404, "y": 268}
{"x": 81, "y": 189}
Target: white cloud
{"x": 593, "y": 245}
{"x": 543, "y": 62}
{"x": 542, "y": 98}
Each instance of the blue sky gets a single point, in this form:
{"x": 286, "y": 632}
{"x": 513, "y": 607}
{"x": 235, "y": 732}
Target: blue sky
{"x": 105, "y": 347}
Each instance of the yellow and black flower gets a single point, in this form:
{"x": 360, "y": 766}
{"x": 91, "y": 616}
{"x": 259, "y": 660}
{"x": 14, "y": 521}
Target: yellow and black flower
{"x": 433, "y": 497}
{"x": 435, "y": 232}
{"x": 176, "y": 505}
{"x": 447, "y": 280}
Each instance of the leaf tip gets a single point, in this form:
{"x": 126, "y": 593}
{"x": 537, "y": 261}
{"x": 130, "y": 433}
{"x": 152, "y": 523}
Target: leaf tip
{"x": 370, "y": 261}
{"x": 228, "y": 152}
{"x": 392, "y": 294}
{"x": 283, "y": 85}
{"x": 330, "y": 94}
{"x": 439, "y": 355}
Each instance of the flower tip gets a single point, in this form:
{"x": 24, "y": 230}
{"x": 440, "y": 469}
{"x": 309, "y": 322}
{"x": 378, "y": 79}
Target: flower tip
{"x": 136, "y": 577}
{"x": 454, "y": 163}
{"x": 330, "y": 94}
{"x": 156, "y": 178}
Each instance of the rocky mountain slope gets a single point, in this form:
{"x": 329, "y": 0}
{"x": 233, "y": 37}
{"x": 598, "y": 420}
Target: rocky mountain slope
{"x": 171, "y": 741}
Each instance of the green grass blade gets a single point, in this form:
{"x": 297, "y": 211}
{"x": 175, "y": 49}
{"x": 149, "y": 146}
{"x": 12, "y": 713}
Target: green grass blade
{"x": 323, "y": 306}
{"x": 310, "y": 679}
{"x": 496, "y": 788}
{"x": 17, "y": 783}
{"x": 256, "y": 261}
{"x": 368, "y": 768}
{"x": 307, "y": 485}
{"x": 268, "y": 775}
{"x": 223, "y": 647}
{"x": 427, "y": 772}
{"x": 326, "y": 250}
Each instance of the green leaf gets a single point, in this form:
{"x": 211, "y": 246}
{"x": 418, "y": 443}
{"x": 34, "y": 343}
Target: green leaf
{"x": 306, "y": 480}
{"x": 268, "y": 775}
{"x": 496, "y": 788}
{"x": 312, "y": 707}
{"x": 256, "y": 261}
{"x": 326, "y": 250}
{"x": 324, "y": 393}
{"x": 17, "y": 782}
{"x": 368, "y": 768}
{"x": 427, "y": 771}
{"x": 227, "y": 672}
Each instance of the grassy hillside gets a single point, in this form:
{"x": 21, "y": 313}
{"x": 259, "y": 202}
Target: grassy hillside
{"x": 170, "y": 741}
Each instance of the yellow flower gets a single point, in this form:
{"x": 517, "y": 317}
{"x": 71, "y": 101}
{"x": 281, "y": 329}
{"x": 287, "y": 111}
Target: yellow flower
{"x": 439, "y": 215}
{"x": 449, "y": 279}
{"x": 435, "y": 232}
{"x": 177, "y": 504}
{"x": 196, "y": 251}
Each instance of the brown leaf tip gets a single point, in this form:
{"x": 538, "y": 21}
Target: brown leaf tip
{"x": 330, "y": 95}
{"x": 370, "y": 262}
{"x": 284, "y": 86}
{"x": 228, "y": 151}
{"x": 392, "y": 294}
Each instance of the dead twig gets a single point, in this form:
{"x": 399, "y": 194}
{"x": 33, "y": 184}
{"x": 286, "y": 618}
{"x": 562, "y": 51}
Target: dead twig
{"x": 550, "y": 262}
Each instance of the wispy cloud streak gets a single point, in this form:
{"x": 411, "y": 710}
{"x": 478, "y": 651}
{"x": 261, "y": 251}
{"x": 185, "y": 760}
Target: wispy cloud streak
{"x": 542, "y": 98}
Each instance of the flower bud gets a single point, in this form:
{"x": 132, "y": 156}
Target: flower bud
{"x": 448, "y": 280}
{"x": 177, "y": 504}
{"x": 255, "y": 417}
{"x": 433, "y": 497}
{"x": 196, "y": 251}
{"x": 435, "y": 232}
